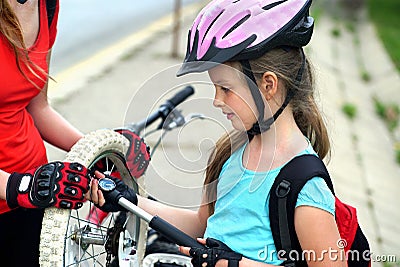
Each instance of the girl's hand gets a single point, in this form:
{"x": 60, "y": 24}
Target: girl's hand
{"x": 106, "y": 201}
{"x": 185, "y": 250}
{"x": 94, "y": 194}
{"x": 216, "y": 254}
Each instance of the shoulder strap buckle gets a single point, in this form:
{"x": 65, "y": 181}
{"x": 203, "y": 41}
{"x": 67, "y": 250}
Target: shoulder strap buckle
{"x": 283, "y": 189}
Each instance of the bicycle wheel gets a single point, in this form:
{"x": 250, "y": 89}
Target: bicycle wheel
{"x": 88, "y": 237}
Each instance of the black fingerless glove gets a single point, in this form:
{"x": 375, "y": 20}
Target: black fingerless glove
{"x": 215, "y": 251}
{"x": 111, "y": 205}
{"x": 60, "y": 184}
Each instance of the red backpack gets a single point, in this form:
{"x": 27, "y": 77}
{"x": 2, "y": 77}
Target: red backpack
{"x": 287, "y": 185}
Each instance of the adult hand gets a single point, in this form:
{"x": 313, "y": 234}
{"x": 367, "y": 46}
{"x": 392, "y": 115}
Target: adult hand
{"x": 138, "y": 154}
{"x": 216, "y": 253}
{"x": 59, "y": 184}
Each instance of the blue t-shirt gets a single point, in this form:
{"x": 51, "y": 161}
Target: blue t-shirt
{"x": 241, "y": 217}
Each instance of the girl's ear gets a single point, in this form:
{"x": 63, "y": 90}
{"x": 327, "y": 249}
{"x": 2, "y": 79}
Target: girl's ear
{"x": 269, "y": 85}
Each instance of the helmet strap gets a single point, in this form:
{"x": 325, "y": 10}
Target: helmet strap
{"x": 264, "y": 125}
{"x": 255, "y": 92}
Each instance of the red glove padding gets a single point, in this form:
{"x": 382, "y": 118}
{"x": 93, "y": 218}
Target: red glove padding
{"x": 138, "y": 155}
{"x": 59, "y": 184}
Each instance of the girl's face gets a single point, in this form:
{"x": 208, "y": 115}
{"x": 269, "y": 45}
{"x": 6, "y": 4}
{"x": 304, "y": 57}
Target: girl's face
{"x": 233, "y": 96}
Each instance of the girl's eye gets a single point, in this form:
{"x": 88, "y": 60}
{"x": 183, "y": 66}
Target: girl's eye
{"x": 225, "y": 89}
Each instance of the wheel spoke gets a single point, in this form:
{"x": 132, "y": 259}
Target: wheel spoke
{"x": 86, "y": 231}
{"x": 92, "y": 256}
{"x": 92, "y": 252}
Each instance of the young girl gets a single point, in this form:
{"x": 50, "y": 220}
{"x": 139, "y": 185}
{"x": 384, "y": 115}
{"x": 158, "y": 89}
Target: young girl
{"x": 252, "y": 50}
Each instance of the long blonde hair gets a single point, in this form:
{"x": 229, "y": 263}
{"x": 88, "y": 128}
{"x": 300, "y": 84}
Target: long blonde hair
{"x": 11, "y": 29}
{"x": 285, "y": 64}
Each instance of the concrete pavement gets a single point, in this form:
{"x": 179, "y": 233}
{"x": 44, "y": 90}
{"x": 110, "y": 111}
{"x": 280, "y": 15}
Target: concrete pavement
{"x": 124, "y": 82}
{"x": 363, "y": 162}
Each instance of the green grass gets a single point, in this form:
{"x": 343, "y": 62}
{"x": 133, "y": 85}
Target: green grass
{"x": 336, "y": 32}
{"x": 397, "y": 152}
{"x": 350, "y": 110}
{"x": 391, "y": 264}
{"x": 350, "y": 26}
{"x": 385, "y": 16}
{"x": 388, "y": 112}
{"x": 365, "y": 76}
{"x": 316, "y": 12}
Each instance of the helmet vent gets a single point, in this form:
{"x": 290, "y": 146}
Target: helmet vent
{"x": 237, "y": 24}
{"x": 269, "y": 6}
{"x": 211, "y": 24}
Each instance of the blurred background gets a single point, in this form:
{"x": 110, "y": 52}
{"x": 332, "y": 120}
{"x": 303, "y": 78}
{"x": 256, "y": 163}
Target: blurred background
{"x": 114, "y": 62}
{"x": 86, "y": 27}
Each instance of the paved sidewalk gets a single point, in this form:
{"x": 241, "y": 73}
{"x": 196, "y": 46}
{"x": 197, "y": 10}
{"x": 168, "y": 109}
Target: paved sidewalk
{"x": 363, "y": 166}
{"x": 363, "y": 162}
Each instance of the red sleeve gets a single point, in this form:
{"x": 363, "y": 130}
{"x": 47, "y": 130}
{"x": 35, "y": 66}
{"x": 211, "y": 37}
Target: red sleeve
{"x": 53, "y": 27}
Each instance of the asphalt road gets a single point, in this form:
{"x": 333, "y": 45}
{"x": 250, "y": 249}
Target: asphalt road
{"x": 86, "y": 27}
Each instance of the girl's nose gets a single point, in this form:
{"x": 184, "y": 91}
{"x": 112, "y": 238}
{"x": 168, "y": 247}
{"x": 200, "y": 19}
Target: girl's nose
{"x": 217, "y": 102}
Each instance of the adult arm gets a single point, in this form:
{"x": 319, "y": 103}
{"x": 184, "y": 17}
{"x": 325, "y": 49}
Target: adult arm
{"x": 53, "y": 128}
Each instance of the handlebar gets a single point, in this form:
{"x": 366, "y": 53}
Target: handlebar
{"x": 157, "y": 223}
{"x": 171, "y": 232}
{"x": 181, "y": 96}
{"x": 164, "y": 110}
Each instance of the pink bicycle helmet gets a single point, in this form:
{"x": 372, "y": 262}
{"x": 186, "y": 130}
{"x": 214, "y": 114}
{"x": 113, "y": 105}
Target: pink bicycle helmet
{"x": 241, "y": 30}
{"x": 233, "y": 30}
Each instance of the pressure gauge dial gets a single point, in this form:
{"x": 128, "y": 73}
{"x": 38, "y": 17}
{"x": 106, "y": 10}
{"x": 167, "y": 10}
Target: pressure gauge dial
{"x": 106, "y": 184}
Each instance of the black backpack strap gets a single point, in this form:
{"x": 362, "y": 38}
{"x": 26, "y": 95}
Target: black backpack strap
{"x": 283, "y": 197}
{"x": 51, "y": 9}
